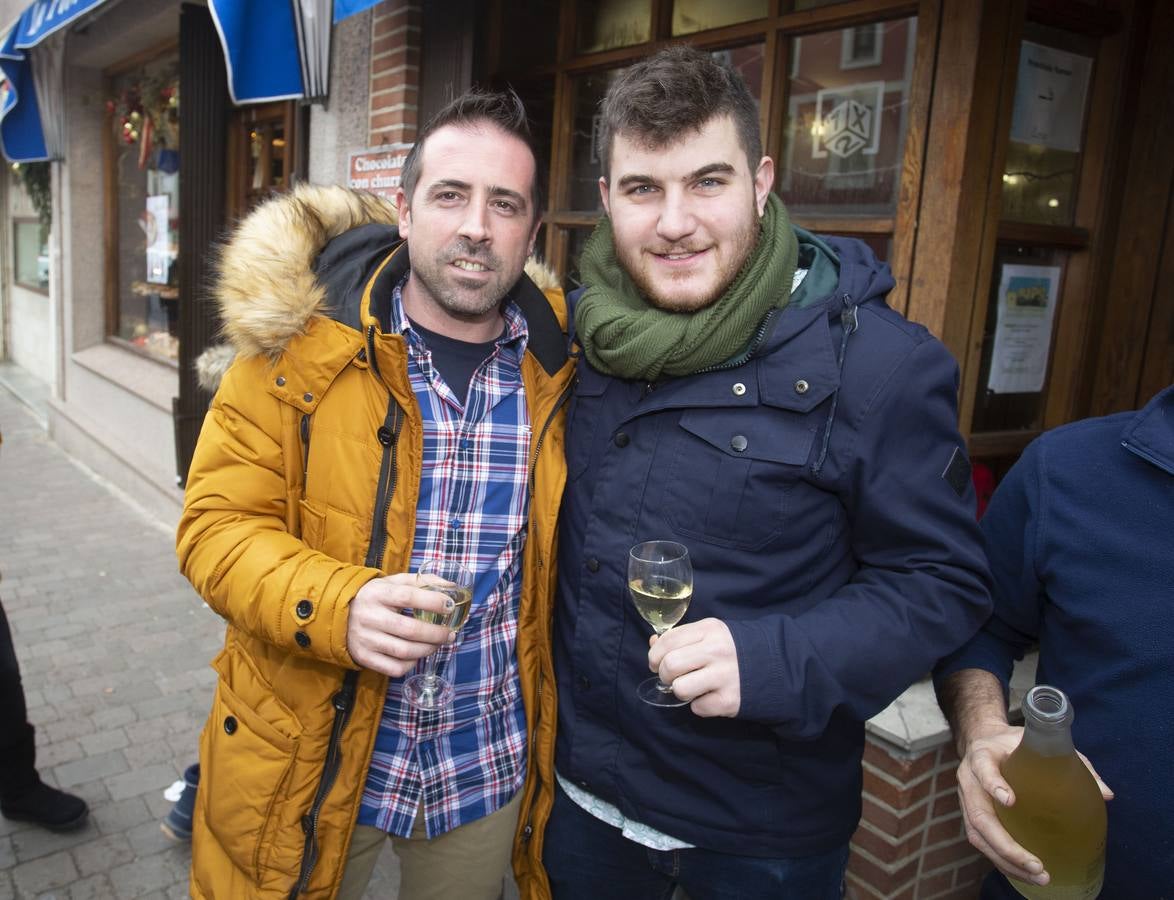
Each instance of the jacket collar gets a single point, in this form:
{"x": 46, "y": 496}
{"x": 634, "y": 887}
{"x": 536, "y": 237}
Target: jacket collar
{"x": 547, "y": 342}
{"x": 1150, "y": 434}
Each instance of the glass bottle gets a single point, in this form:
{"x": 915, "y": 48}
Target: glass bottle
{"x": 1059, "y": 813}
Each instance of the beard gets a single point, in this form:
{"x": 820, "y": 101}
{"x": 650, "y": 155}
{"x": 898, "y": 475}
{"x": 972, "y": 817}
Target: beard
{"x": 468, "y": 299}
{"x": 681, "y": 292}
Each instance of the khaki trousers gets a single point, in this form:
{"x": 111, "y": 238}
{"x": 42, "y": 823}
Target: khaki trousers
{"x": 467, "y": 863}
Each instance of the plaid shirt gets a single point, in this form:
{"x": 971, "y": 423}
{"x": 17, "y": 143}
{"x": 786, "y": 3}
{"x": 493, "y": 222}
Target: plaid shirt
{"x": 468, "y": 760}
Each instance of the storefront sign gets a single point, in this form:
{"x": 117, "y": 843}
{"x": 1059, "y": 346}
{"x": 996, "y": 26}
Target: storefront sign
{"x": 1023, "y": 336}
{"x": 1049, "y": 97}
{"x": 378, "y": 170}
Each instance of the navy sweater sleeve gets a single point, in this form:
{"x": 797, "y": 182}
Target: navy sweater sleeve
{"x": 922, "y": 586}
{"x": 1014, "y": 531}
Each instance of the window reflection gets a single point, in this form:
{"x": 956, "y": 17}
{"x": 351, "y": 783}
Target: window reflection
{"x": 604, "y": 24}
{"x": 1047, "y": 128}
{"x": 690, "y": 16}
{"x": 585, "y": 163}
{"x": 846, "y": 121}
{"x": 31, "y": 252}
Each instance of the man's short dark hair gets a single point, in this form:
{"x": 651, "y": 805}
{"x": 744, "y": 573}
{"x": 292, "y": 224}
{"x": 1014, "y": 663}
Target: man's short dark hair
{"x": 503, "y": 109}
{"x": 677, "y": 90}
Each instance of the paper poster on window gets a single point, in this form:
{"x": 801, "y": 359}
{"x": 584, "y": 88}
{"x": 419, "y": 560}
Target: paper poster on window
{"x": 1049, "y": 97}
{"x": 1023, "y": 336}
{"x": 155, "y": 224}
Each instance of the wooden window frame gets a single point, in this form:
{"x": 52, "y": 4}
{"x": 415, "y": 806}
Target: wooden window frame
{"x": 1085, "y": 240}
{"x": 237, "y": 191}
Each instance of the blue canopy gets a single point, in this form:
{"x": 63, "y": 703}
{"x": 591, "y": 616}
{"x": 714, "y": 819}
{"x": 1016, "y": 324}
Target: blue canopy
{"x": 260, "y": 40}
{"x": 346, "y": 8}
{"x": 21, "y": 136}
{"x": 273, "y": 50}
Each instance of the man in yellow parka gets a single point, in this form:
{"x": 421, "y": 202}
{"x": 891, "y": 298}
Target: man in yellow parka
{"x": 397, "y": 395}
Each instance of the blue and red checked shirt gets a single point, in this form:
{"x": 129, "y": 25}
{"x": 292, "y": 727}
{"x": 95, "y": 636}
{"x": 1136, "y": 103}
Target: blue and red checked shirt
{"x": 469, "y": 760}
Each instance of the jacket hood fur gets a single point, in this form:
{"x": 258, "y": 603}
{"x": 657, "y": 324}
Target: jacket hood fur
{"x": 266, "y": 289}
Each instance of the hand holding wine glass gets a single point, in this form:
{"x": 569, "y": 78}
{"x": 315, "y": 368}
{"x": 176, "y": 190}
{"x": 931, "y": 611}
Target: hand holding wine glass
{"x": 660, "y": 581}
{"x": 429, "y": 691}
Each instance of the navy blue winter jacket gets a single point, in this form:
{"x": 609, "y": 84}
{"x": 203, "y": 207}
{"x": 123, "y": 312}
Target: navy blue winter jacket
{"x": 1081, "y": 542}
{"x": 830, "y": 518}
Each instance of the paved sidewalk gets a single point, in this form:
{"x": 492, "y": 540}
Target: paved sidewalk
{"x": 114, "y": 648}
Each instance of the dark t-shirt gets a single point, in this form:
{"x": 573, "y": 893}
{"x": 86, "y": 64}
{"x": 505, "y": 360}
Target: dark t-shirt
{"x": 456, "y": 361}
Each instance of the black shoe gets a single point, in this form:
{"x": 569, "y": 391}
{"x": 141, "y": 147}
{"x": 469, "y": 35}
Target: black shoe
{"x": 46, "y": 806}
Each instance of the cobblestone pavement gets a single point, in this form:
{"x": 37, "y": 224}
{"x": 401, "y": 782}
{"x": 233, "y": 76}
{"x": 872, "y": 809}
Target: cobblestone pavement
{"x": 114, "y": 647}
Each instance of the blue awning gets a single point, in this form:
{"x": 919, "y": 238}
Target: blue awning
{"x": 273, "y": 50}
{"x": 345, "y": 8}
{"x": 260, "y": 40}
{"x": 21, "y": 135}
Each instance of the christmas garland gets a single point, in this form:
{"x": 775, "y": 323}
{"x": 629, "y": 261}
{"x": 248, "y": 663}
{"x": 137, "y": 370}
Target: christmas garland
{"x": 147, "y": 113}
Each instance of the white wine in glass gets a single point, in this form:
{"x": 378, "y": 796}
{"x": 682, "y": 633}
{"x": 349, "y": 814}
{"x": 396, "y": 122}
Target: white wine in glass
{"x": 660, "y": 581}
{"x": 428, "y": 690}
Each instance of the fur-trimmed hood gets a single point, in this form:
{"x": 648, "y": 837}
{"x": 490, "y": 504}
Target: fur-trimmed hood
{"x": 267, "y": 288}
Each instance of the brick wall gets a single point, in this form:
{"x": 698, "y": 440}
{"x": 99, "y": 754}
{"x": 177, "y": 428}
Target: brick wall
{"x": 395, "y": 72}
{"x": 911, "y": 844}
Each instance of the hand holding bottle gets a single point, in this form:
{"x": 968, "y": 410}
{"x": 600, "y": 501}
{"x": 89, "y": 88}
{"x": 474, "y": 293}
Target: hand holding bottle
{"x": 988, "y": 798}
{"x": 980, "y": 786}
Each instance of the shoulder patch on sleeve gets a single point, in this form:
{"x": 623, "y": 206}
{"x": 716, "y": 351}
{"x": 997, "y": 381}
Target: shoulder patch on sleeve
{"x": 957, "y": 472}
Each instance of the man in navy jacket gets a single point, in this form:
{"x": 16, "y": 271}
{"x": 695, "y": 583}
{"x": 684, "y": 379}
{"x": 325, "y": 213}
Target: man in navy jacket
{"x": 1079, "y": 537}
{"x": 745, "y": 391}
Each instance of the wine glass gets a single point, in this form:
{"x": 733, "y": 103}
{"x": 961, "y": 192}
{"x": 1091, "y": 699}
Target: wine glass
{"x": 660, "y": 580}
{"x": 428, "y": 690}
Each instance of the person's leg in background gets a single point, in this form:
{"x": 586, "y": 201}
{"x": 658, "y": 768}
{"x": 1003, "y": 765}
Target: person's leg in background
{"x": 23, "y": 796}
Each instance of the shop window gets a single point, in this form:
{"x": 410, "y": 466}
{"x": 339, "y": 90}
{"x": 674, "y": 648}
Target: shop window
{"x": 606, "y": 24}
{"x": 845, "y": 134}
{"x": 1047, "y": 127}
{"x": 690, "y": 16}
{"x": 538, "y": 20}
{"x": 143, "y": 207}
{"x": 1039, "y": 242}
{"x": 585, "y": 161}
{"x": 30, "y": 245}
{"x": 1017, "y": 337}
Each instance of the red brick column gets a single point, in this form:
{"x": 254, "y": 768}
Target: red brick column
{"x": 395, "y": 72}
{"x": 911, "y": 844}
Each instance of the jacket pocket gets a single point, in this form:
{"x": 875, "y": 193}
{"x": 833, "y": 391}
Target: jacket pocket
{"x": 248, "y": 749}
{"x": 731, "y": 473}
{"x": 582, "y": 420}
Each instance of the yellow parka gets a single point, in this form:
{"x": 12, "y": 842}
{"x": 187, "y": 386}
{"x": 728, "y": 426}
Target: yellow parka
{"x": 303, "y": 488}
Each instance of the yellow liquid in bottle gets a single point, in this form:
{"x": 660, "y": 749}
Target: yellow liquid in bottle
{"x": 1059, "y": 815}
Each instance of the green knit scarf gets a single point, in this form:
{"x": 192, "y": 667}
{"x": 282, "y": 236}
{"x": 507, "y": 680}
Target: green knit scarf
{"x": 624, "y": 336}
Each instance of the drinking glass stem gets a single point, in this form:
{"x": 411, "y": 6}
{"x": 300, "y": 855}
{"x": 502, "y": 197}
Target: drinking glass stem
{"x": 430, "y": 671}
{"x": 660, "y": 685}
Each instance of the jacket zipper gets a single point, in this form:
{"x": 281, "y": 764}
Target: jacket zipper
{"x": 388, "y": 475}
{"x": 562, "y": 399}
{"x": 305, "y": 428}
{"x": 342, "y": 701}
{"x": 760, "y": 334}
